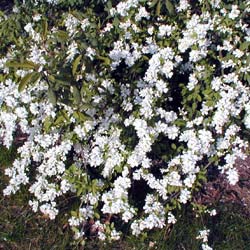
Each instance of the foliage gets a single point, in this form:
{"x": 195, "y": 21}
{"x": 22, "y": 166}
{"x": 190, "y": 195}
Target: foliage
{"x": 124, "y": 104}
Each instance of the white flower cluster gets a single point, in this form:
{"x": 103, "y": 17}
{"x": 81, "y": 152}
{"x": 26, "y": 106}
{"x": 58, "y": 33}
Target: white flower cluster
{"x": 203, "y": 235}
{"x": 123, "y": 7}
{"x": 247, "y": 116}
{"x": 42, "y": 151}
{"x": 155, "y": 218}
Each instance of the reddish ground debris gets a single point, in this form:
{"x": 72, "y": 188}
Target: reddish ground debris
{"x": 220, "y": 191}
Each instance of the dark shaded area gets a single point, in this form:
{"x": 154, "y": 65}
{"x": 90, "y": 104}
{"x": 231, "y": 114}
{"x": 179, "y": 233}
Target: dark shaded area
{"x": 129, "y": 137}
{"x": 138, "y": 193}
{"x": 6, "y": 5}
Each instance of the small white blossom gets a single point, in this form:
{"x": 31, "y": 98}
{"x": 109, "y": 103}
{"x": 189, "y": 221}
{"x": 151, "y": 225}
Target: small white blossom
{"x": 185, "y": 196}
{"x": 203, "y": 235}
{"x": 234, "y": 12}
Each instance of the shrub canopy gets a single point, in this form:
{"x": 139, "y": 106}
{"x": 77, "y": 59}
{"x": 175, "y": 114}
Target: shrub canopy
{"x": 125, "y": 104}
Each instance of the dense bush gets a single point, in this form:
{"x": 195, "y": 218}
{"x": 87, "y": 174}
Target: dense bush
{"x": 125, "y": 104}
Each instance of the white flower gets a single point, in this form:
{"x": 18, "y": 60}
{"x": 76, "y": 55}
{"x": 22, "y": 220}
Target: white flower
{"x": 101, "y": 236}
{"x": 192, "y": 82}
{"x": 238, "y": 53}
{"x": 71, "y": 24}
{"x": 90, "y": 52}
{"x": 65, "y": 186}
{"x": 183, "y": 5}
{"x": 247, "y": 116}
{"x": 73, "y": 221}
{"x": 189, "y": 180}
{"x": 34, "y": 204}
{"x": 232, "y": 176}
{"x": 142, "y": 13}
{"x": 28, "y": 28}
{"x": 115, "y": 235}
{"x": 52, "y": 1}
{"x": 216, "y": 83}
{"x": 135, "y": 228}
{"x": 128, "y": 215}
{"x": 185, "y": 196}
{"x": 165, "y": 30}
{"x": 49, "y": 209}
{"x": 203, "y": 235}
{"x": 72, "y": 51}
{"x": 15, "y": 10}
{"x": 80, "y": 131}
{"x": 84, "y": 24}
{"x": 36, "y": 55}
{"x": 247, "y": 121}
{"x": 37, "y": 17}
{"x": 150, "y": 30}
{"x": 86, "y": 212}
{"x": 206, "y": 247}
{"x": 171, "y": 218}
{"x": 212, "y": 212}
{"x": 234, "y": 12}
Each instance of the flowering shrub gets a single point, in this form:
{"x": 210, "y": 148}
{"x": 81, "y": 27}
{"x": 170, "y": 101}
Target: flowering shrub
{"x": 126, "y": 104}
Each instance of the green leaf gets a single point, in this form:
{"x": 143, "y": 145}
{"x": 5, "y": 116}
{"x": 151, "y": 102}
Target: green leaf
{"x": 63, "y": 79}
{"x": 94, "y": 42}
{"x": 45, "y": 28}
{"x": 75, "y": 64}
{"x": 77, "y": 14}
{"x": 109, "y": 5}
{"x": 52, "y": 96}
{"x": 244, "y": 45}
{"x": 194, "y": 106}
{"x": 25, "y": 80}
{"x": 74, "y": 213}
{"x": 81, "y": 116}
{"x": 116, "y": 22}
{"x": 47, "y": 124}
{"x": 76, "y": 95}
{"x": 75, "y": 230}
{"x": 158, "y": 8}
{"x": 207, "y": 91}
{"x": 210, "y": 103}
{"x": 79, "y": 191}
{"x": 202, "y": 177}
{"x": 248, "y": 59}
{"x": 28, "y": 65}
{"x": 24, "y": 65}
{"x": 62, "y": 36}
{"x": 97, "y": 216}
{"x": 51, "y": 78}
{"x": 153, "y": 3}
{"x": 180, "y": 123}
{"x": 199, "y": 98}
{"x": 106, "y": 60}
{"x": 248, "y": 78}
{"x": 190, "y": 97}
{"x": 60, "y": 120}
{"x": 170, "y": 7}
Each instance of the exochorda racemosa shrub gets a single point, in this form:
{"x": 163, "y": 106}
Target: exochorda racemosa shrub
{"x": 126, "y": 104}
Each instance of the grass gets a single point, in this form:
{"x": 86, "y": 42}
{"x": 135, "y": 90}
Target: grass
{"x": 21, "y": 229}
